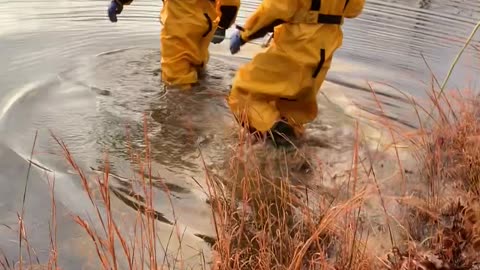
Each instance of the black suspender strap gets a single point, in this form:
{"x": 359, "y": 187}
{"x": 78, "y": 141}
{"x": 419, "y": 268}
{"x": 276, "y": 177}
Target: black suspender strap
{"x": 320, "y": 64}
{"x": 210, "y": 25}
{"x": 316, "y": 5}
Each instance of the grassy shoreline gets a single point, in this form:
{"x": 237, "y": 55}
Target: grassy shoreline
{"x": 422, "y": 218}
{"x": 265, "y": 221}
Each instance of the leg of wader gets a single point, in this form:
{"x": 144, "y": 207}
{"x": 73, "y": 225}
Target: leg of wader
{"x": 185, "y": 25}
{"x": 258, "y": 85}
{"x": 176, "y": 67}
{"x": 304, "y": 108}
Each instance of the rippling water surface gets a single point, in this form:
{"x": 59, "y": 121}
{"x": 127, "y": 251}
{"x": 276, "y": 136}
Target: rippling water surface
{"x": 65, "y": 68}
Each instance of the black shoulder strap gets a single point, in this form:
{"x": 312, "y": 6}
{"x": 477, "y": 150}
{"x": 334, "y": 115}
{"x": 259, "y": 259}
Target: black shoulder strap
{"x": 316, "y": 5}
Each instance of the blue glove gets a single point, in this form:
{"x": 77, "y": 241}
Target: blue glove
{"x": 236, "y": 42}
{"x": 219, "y": 36}
{"x": 114, "y": 9}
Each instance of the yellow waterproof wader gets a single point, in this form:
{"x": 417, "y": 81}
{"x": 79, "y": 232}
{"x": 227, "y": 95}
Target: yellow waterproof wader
{"x": 283, "y": 81}
{"x": 188, "y": 28}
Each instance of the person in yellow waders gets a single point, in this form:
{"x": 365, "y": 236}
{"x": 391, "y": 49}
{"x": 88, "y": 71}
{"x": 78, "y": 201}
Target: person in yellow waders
{"x": 188, "y": 28}
{"x": 276, "y": 92}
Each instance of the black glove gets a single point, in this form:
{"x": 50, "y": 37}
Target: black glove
{"x": 113, "y": 9}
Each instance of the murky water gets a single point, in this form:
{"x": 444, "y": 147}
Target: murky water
{"x": 66, "y": 68}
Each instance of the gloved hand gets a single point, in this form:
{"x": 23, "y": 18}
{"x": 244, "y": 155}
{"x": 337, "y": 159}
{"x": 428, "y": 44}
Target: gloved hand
{"x": 219, "y": 36}
{"x": 114, "y": 9}
{"x": 236, "y": 42}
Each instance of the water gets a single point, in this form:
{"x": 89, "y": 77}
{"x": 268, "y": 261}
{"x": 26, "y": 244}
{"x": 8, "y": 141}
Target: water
{"x": 67, "y": 69}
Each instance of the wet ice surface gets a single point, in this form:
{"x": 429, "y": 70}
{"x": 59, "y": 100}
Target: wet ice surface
{"x": 65, "y": 68}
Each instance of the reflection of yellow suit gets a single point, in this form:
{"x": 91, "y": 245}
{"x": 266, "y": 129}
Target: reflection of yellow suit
{"x": 283, "y": 81}
{"x": 188, "y": 28}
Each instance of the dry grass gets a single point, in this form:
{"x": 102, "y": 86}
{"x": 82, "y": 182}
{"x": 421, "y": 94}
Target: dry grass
{"x": 444, "y": 223}
{"x": 141, "y": 249}
{"x": 264, "y": 222}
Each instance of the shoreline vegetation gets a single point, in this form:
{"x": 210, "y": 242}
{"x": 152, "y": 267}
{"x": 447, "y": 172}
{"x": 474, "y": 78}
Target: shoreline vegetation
{"x": 426, "y": 217}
